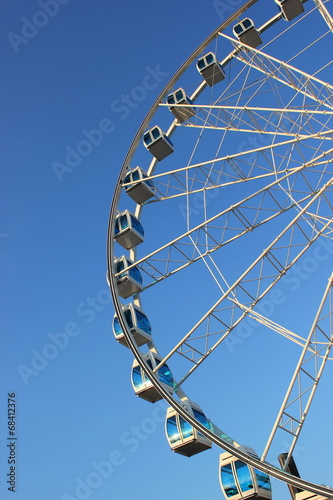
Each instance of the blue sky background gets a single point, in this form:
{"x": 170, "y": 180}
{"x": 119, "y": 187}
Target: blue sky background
{"x": 76, "y": 410}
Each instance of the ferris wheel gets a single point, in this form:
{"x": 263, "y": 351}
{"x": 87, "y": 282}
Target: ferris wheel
{"x": 220, "y": 243}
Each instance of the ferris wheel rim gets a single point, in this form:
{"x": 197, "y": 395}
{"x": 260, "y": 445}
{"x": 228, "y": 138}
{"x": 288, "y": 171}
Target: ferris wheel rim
{"x": 248, "y": 459}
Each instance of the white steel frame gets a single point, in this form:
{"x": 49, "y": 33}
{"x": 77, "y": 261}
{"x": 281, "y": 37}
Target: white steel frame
{"x": 306, "y": 377}
{"x": 277, "y": 258}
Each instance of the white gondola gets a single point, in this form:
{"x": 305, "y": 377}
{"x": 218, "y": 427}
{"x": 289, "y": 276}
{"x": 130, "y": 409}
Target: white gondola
{"x": 239, "y": 480}
{"x": 137, "y": 323}
{"x": 142, "y": 188}
{"x": 210, "y": 69}
{"x": 290, "y": 8}
{"x": 181, "y": 113}
{"x": 129, "y": 281}
{"x": 183, "y": 438}
{"x": 128, "y": 231}
{"x": 246, "y": 33}
{"x": 158, "y": 143}
{"x": 142, "y": 386}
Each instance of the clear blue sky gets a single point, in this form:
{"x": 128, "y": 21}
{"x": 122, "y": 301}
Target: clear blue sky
{"x": 66, "y": 125}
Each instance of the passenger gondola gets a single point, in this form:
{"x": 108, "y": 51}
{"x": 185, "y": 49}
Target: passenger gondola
{"x": 290, "y": 8}
{"x": 158, "y": 143}
{"x": 142, "y": 385}
{"x": 239, "y": 480}
{"x": 129, "y": 281}
{"x": 210, "y": 69}
{"x": 184, "y": 438}
{"x": 137, "y": 323}
{"x": 138, "y": 187}
{"x": 246, "y": 33}
{"x": 128, "y": 230}
{"x": 180, "y": 113}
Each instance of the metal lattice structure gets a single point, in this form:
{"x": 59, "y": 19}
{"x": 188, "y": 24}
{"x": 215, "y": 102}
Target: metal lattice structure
{"x": 251, "y": 175}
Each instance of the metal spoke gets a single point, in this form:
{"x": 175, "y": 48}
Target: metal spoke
{"x": 265, "y": 271}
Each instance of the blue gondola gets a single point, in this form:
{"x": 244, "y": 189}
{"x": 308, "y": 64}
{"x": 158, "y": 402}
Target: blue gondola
{"x": 128, "y": 231}
{"x": 239, "y": 480}
{"x": 246, "y": 33}
{"x": 181, "y": 113}
{"x": 290, "y": 8}
{"x": 158, "y": 143}
{"x": 129, "y": 281}
{"x": 183, "y": 438}
{"x": 142, "y": 385}
{"x": 143, "y": 189}
{"x": 137, "y": 323}
{"x": 210, "y": 69}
